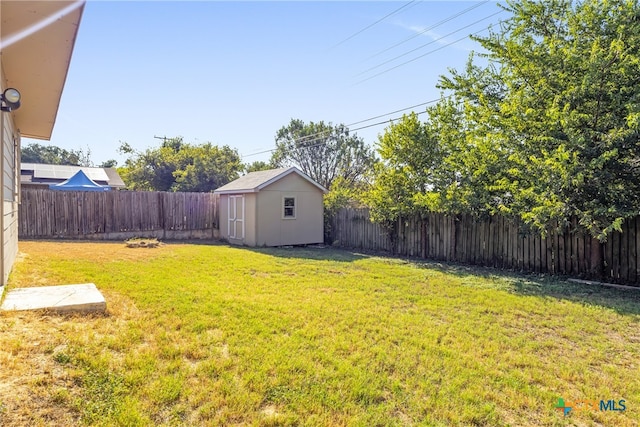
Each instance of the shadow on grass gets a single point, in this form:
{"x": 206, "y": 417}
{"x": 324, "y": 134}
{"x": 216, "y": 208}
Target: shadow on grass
{"x": 309, "y": 252}
{"x": 527, "y": 284}
{"x": 540, "y": 285}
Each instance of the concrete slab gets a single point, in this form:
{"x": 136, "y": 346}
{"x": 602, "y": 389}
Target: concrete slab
{"x": 65, "y": 298}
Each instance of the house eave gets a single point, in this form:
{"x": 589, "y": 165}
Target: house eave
{"x": 36, "y": 60}
{"x": 240, "y": 191}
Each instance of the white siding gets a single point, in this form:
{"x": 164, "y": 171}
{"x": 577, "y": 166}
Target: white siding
{"x": 10, "y": 141}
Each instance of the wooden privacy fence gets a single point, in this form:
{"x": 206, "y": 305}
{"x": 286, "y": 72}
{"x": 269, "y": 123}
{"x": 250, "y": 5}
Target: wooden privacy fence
{"x": 116, "y": 214}
{"x": 497, "y": 242}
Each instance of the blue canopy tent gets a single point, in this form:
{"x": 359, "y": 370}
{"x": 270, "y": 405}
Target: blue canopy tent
{"x": 79, "y": 182}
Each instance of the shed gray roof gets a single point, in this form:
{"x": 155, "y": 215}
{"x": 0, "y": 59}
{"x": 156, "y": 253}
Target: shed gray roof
{"x": 256, "y": 181}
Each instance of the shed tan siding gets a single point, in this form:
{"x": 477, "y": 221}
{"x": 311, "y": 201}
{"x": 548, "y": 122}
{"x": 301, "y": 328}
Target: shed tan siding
{"x": 10, "y": 168}
{"x": 306, "y": 228}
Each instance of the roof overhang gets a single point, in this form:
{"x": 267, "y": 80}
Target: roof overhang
{"x": 241, "y": 191}
{"x": 36, "y": 43}
{"x": 257, "y": 188}
{"x": 297, "y": 171}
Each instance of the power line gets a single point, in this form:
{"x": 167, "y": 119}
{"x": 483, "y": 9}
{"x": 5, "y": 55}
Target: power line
{"x": 371, "y": 25}
{"x": 436, "y": 25}
{"x": 354, "y": 123}
{"x": 428, "y": 44}
{"x": 321, "y": 133}
{"x": 418, "y": 57}
{"x": 385, "y": 71}
{"x": 393, "y": 112}
{"x": 383, "y": 122}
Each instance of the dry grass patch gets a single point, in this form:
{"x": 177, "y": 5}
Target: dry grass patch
{"x": 39, "y": 384}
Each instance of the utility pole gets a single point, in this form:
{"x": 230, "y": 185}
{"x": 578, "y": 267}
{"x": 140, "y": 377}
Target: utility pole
{"x": 176, "y": 142}
{"x": 163, "y": 138}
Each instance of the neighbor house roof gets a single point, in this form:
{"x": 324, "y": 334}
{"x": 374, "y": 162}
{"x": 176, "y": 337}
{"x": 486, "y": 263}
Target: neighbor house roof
{"x": 37, "y": 39}
{"x": 256, "y": 181}
{"x": 43, "y": 174}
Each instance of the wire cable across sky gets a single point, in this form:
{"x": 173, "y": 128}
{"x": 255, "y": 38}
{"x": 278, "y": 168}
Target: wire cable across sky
{"x": 375, "y": 23}
{"x": 355, "y": 123}
{"x": 419, "y": 57}
{"x": 429, "y": 43}
{"x": 429, "y": 28}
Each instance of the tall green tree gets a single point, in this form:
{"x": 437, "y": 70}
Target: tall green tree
{"x": 207, "y": 167}
{"x": 178, "y": 166}
{"x": 323, "y": 151}
{"x": 566, "y": 107}
{"x": 53, "y": 155}
{"x": 549, "y": 127}
{"x": 408, "y": 155}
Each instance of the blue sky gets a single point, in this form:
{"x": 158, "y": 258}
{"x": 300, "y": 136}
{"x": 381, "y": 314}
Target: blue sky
{"x": 233, "y": 73}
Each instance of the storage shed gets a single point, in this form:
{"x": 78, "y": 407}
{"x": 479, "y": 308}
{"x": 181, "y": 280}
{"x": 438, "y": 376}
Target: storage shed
{"x": 274, "y": 207}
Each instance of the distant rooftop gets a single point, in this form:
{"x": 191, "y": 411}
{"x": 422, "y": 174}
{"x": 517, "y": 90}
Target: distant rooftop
{"x": 43, "y": 174}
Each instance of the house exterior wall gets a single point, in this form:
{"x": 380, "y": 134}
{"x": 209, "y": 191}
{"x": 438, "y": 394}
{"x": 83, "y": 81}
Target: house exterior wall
{"x": 306, "y": 228}
{"x": 9, "y": 181}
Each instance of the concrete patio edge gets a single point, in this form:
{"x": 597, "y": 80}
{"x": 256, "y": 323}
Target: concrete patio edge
{"x": 80, "y": 298}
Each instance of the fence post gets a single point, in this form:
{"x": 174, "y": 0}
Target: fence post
{"x": 597, "y": 264}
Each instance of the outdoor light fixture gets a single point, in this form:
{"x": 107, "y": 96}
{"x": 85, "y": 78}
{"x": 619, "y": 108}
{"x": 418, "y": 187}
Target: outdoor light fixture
{"x": 10, "y": 100}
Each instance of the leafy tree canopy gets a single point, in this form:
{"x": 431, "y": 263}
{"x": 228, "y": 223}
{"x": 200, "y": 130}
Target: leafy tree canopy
{"x": 408, "y": 156}
{"x": 323, "y": 151}
{"x": 548, "y": 129}
{"x": 111, "y": 163}
{"x": 178, "y": 166}
{"x": 50, "y": 154}
{"x": 258, "y": 165}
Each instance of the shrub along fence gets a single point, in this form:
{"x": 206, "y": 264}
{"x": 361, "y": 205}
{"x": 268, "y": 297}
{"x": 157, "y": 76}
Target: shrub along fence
{"x": 116, "y": 214}
{"x": 497, "y": 242}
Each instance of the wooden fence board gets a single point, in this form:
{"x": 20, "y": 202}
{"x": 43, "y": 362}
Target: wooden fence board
{"x": 615, "y": 256}
{"x": 543, "y": 254}
{"x": 561, "y": 252}
{"x": 501, "y": 242}
{"x": 633, "y": 252}
{"x": 574, "y": 246}
{"x": 624, "y": 252}
{"x": 44, "y": 213}
{"x": 520, "y": 251}
{"x": 581, "y": 253}
{"x": 532, "y": 252}
{"x": 462, "y": 252}
{"x": 477, "y": 242}
{"x": 588, "y": 254}
{"x": 637, "y": 246}
{"x": 566, "y": 237}
{"x": 498, "y": 242}
{"x": 491, "y": 243}
{"x": 486, "y": 236}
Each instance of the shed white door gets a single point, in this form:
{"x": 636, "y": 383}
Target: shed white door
{"x": 235, "y": 210}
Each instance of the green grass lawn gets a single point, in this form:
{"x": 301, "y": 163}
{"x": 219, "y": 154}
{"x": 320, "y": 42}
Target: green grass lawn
{"x": 218, "y": 335}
